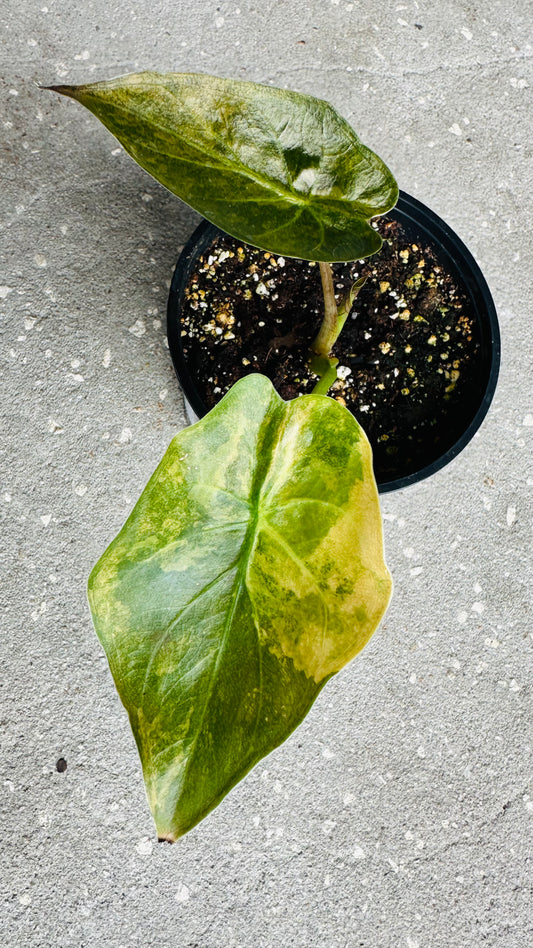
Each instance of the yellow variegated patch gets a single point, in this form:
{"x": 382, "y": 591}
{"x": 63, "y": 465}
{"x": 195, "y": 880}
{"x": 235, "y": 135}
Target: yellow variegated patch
{"x": 250, "y": 570}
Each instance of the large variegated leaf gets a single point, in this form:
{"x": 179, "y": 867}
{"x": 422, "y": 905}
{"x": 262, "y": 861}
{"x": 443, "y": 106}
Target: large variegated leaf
{"x": 280, "y": 170}
{"x": 250, "y": 570}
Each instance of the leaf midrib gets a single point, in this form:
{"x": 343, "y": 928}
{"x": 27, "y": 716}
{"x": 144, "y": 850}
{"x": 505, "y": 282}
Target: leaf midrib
{"x": 243, "y": 560}
{"x": 237, "y": 590}
{"x": 273, "y": 431}
{"x": 285, "y": 192}
{"x": 306, "y": 199}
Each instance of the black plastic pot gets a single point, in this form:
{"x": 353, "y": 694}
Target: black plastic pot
{"x": 453, "y": 255}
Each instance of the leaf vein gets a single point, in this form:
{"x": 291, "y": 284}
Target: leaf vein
{"x": 173, "y": 622}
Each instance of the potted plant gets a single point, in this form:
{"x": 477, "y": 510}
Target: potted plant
{"x": 251, "y": 568}
{"x": 418, "y": 358}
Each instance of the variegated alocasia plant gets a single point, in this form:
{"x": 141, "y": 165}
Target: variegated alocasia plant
{"x": 251, "y": 568}
{"x": 249, "y": 572}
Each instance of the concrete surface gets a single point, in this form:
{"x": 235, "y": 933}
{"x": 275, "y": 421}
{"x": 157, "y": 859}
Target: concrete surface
{"x": 397, "y": 814}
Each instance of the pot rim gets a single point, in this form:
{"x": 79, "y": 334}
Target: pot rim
{"x": 461, "y": 261}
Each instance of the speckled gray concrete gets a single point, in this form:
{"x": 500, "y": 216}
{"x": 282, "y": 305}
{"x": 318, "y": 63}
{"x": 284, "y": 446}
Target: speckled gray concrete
{"x": 397, "y": 814}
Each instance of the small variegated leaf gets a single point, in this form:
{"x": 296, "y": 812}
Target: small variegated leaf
{"x": 348, "y": 301}
{"x": 249, "y": 572}
{"x": 280, "y": 170}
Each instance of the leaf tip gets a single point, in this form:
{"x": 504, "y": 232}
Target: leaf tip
{"x": 166, "y": 839}
{"x": 62, "y": 90}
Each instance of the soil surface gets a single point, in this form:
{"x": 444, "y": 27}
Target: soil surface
{"x": 409, "y": 353}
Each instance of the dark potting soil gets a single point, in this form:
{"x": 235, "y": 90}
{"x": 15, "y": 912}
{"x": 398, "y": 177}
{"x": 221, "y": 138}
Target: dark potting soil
{"x": 408, "y": 353}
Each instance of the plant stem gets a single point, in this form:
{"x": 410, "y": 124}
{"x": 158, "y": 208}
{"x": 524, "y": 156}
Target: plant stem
{"x": 327, "y": 333}
{"x": 326, "y": 369}
{"x": 321, "y": 362}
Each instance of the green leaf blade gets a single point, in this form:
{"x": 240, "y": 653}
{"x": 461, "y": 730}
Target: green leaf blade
{"x": 249, "y": 572}
{"x": 277, "y": 169}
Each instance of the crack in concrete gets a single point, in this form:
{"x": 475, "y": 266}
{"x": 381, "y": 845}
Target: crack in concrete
{"x": 387, "y": 74}
{"x": 472, "y": 840}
